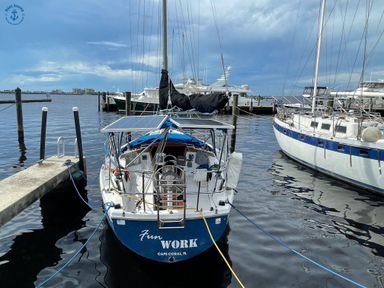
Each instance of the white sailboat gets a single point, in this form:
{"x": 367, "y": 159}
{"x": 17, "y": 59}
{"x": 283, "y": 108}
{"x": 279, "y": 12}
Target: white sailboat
{"x": 169, "y": 189}
{"x": 347, "y": 145}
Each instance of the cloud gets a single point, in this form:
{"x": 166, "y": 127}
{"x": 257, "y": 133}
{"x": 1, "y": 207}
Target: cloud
{"x": 108, "y": 43}
{"x": 58, "y": 69}
{"x": 22, "y": 79}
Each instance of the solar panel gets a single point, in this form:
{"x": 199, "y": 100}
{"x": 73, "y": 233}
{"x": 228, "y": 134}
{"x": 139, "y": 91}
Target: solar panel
{"x": 200, "y": 123}
{"x": 136, "y": 123}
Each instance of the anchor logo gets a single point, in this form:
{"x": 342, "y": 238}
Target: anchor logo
{"x": 15, "y": 17}
{"x": 14, "y": 14}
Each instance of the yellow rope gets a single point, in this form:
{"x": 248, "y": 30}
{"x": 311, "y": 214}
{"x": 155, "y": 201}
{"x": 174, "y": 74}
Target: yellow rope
{"x": 206, "y": 224}
{"x": 218, "y": 249}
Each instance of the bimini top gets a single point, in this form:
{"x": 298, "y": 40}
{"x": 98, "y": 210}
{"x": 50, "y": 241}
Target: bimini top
{"x": 156, "y": 122}
{"x": 182, "y": 138}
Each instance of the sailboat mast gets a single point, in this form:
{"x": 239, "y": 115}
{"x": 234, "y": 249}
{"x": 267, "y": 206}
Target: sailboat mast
{"x": 318, "y": 55}
{"x": 165, "y": 35}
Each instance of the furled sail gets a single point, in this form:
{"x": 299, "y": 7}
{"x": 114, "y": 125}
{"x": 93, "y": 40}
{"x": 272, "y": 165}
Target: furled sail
{"x": 204, "y": 103}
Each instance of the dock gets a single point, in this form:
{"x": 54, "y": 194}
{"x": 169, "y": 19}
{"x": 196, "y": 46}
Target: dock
{"x": 20, "y": 190}
{"x": 25, "y": 101}
{"x": 246, "y": 109}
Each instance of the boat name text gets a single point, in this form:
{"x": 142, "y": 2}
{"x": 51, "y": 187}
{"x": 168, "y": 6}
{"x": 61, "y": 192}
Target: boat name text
{"x": 167, "y": 244}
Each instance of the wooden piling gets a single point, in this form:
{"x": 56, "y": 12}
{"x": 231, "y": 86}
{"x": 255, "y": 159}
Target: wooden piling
{"x": 234, "y": 121}
{"x": 127, "y": 103}
{"x": 78, "y": 136}
{"x": 43, "y": 132}
{"x": 107, "y": 98}
{"x": 98, "y": 101}
{"x": 19, "y": 115}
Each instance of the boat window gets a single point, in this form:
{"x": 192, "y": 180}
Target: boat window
{"x": 201, "y": 158}
{"x": 320, "y": 143}
{"x": 130, "y": 156}
{"x": 285, "y": 131}
{"x": 314, "y": 124}
{"x": 325, "y": 126}
{"x": 341, "y": 129}
{"x": 302, "y": 137}
{"x": 364, "y": 153}
{"x": 341, "y": 148}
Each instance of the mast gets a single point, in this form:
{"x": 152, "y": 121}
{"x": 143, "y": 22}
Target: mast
{"x": 165, "y": 35}
{"x": 318, "y": 55}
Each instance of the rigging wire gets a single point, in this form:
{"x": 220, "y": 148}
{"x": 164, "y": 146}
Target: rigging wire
{"x": 218, "y": 36}
{"x": 293, "y": 40}
{"x": 313, "y": 48}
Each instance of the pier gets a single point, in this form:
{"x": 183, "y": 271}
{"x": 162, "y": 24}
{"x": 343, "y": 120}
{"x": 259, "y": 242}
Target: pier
{"x": 25, "y": 101}
{"x": 20, "y": 190}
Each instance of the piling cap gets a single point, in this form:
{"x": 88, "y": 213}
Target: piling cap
{"x": 45, "y": 109}
{"x": 75, "y": 109}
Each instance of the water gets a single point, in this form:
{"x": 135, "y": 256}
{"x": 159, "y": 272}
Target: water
{"x": 334, "y": 224}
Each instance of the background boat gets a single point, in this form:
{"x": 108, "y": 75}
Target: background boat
{"x": 344, "y": 144}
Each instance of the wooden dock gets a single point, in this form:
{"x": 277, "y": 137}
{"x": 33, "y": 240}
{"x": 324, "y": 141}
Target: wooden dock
{"x": 265, "y": 110}
{"x": 25, "y": 101}
{"x": 20, "y": 190}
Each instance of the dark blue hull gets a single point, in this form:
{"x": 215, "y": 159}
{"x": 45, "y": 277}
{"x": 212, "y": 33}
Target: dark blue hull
{"x": 169, "y": 245}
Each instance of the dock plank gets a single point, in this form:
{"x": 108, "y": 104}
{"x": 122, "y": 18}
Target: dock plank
{"x": 20, "y": 190}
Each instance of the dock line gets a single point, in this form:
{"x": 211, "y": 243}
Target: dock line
{"x": 77, "y": 253}
{"x": 294, "y": 251}
{"x": 68, "y": 163}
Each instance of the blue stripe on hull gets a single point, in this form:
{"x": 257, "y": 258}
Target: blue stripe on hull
{"x": 371, "y": 154}
{"x": 169, "y": 245}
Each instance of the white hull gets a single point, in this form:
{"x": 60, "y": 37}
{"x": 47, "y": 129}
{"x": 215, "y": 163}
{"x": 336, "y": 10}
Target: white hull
{"x": 165, "y": 187}
{"x": 355, "y": 161}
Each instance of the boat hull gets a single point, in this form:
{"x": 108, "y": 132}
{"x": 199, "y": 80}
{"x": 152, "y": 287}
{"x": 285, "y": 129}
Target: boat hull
{"x": 168, "y": 245}
{"x": 356, "y": 164}
{"x": 136, "y": 106}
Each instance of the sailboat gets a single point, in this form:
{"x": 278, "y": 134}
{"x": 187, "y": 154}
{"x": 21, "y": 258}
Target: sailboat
{"x": 347, "y": 145}
{"x": 169, "y": 190}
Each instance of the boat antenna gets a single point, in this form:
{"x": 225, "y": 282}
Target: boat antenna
{"x": 318, "y": 55}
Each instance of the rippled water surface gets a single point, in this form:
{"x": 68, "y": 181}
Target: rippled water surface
{"x": 332, "y": 223}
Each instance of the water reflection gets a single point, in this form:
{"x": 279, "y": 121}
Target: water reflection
{"x": 205, "y": 270}
{"x": 23, "y": 157}
{"x": 353, "y": 212}
{"x": 35, "y": 250}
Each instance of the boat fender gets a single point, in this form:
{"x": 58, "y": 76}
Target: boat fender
{"x": 371, "y": 134}
{"x": 233, "y": 169}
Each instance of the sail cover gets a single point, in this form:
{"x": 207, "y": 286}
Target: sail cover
{"x": 201, "y": 102}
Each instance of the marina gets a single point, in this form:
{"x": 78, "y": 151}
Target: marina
{"x": 188, "y": 179}
{"x": 335, "y": 224}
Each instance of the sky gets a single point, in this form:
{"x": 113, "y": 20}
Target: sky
{"x": 117, "y": 45}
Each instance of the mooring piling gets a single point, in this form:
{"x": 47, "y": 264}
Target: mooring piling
{"x": 19, "y": 114}
{"x": 98, "y": 101}
{"x": 234, "y": 121}
{"x": 127, "y": 103}
{"x": 78, "y": 137}
{"x": 43, "y": 132}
